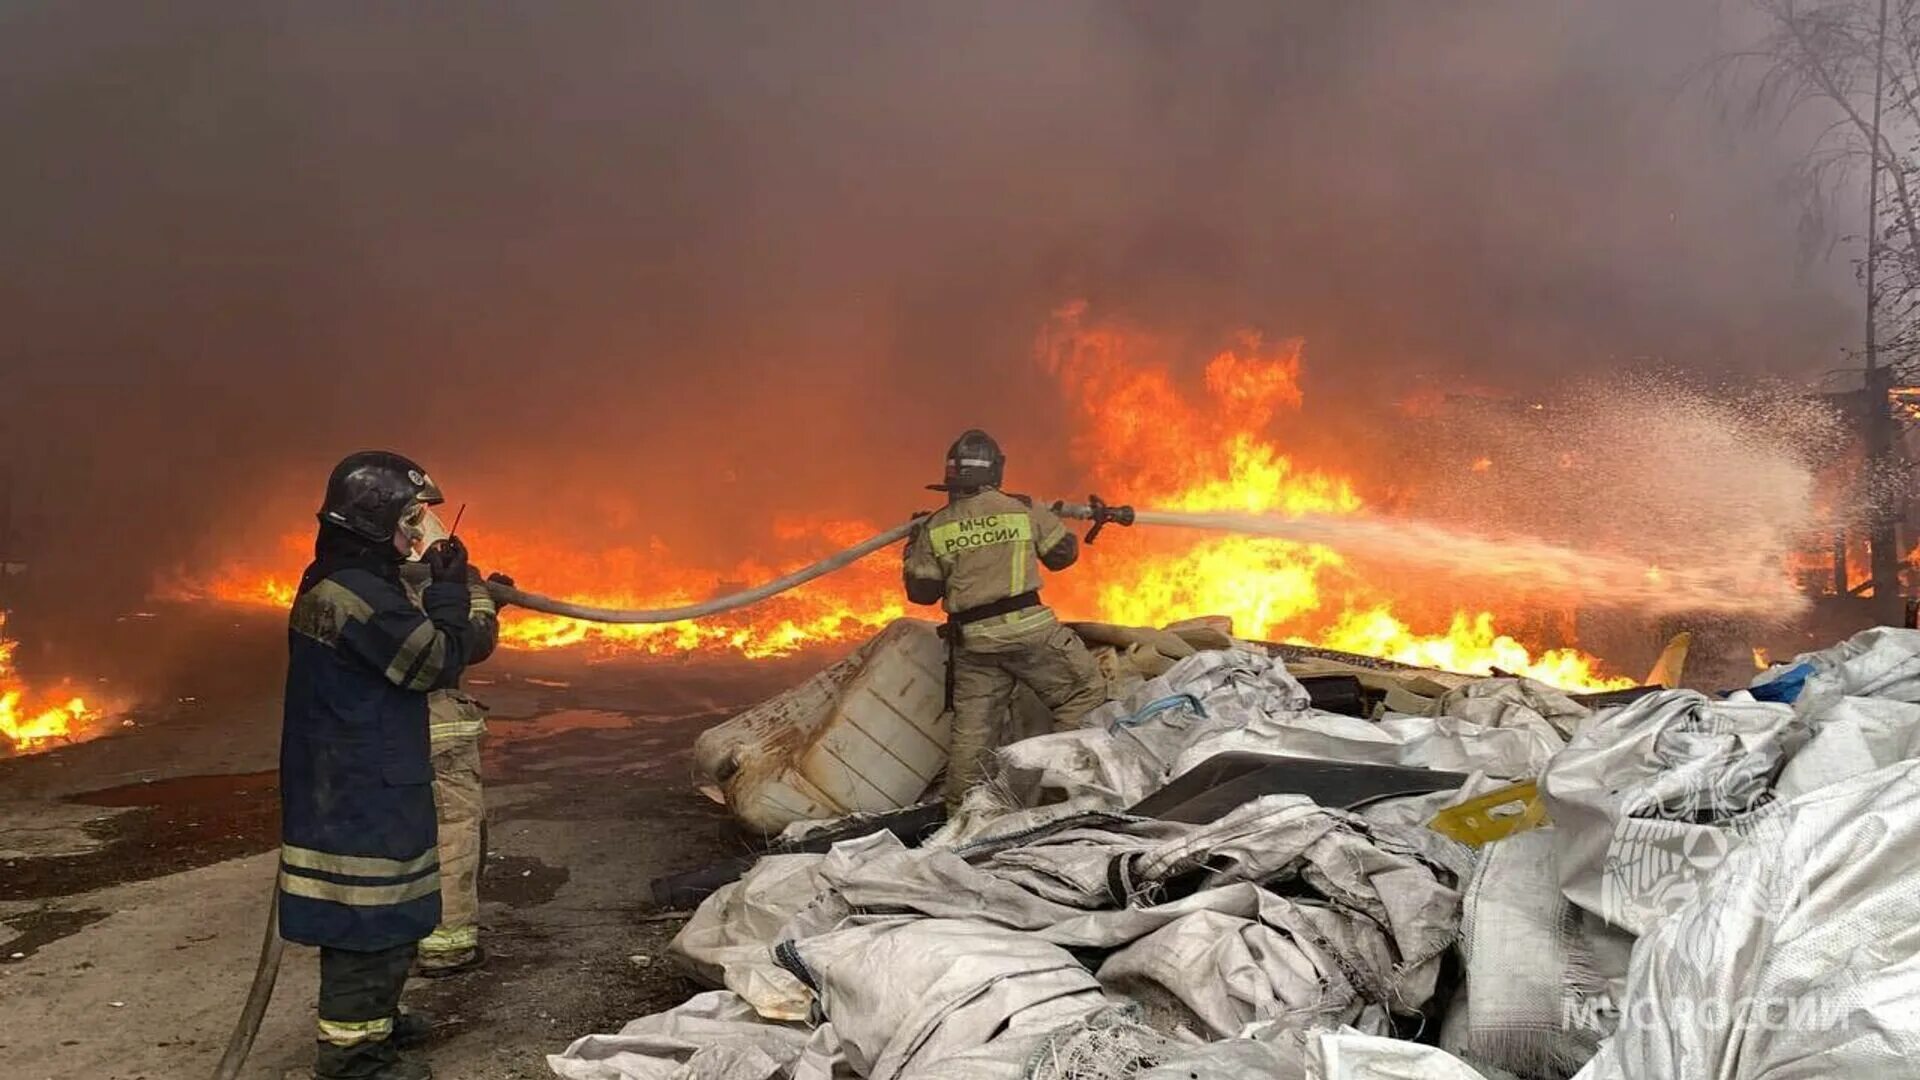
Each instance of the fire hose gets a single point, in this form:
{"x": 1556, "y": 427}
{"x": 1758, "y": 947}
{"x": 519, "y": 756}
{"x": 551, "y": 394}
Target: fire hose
{"x": 264, "y": 976}
{"x": 1100, "y": 513}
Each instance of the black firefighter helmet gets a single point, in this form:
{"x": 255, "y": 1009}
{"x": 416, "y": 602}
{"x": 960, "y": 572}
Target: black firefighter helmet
{"x": 974, "y": 461}
{"x": 369, "y": 492}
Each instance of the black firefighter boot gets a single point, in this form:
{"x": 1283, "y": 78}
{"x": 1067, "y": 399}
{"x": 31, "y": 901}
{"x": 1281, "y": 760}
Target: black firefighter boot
{"x": 411, "y": 1028}
{"x": 380, "y": 1060}
{"x": 406, "y": 1067}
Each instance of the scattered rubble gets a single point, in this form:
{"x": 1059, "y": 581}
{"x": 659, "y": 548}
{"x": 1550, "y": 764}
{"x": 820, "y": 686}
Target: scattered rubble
{"x": 1216, "y": 876}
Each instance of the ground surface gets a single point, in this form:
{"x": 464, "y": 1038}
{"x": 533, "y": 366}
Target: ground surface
{"x": 135, "y": 869}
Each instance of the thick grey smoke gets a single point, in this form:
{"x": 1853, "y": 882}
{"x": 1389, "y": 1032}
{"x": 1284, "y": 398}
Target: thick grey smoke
{"x": 671, "y": 269}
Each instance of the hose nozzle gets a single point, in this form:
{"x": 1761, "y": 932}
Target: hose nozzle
{"x": 1102, "y": 514}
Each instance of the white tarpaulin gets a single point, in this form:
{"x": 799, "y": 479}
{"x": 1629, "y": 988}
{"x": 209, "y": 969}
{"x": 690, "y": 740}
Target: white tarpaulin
{"x": 1378, "y": 910}
{"x": 728, "y": 939}
{"x": 905, "y": 992}
{"x": 1799, "y": 958}
{"x": 1343, "y": 1054}
{"x": 968, "y": 960}
{"x": 1542, "y": 974}
{"x": 713, "y": 1036}
{"x": 1506, "y": 703}
{"x": 1652, "y": 796}
{"x": 1853, "y": 735}
{"x": 1237, "y": 699}
{"x": 1232, "y": 1059}
{"x": 1352, "y": 1055}
{"x": 1883, "y": 662}
{"x": 1772, "y": 873}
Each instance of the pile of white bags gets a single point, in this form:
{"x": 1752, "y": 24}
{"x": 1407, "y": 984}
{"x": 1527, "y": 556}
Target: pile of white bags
{"x": 1729, "y": 887}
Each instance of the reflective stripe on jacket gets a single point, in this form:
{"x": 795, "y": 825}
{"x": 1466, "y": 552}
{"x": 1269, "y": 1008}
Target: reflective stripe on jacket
{"x": 983, "y": 548}
{"x": 451, "y": 712}
{"x": 454, "y": 714}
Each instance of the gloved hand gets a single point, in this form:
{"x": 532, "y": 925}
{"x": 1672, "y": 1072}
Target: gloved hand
{"x": 498, "y": 578}
{"x": 447, "y": 561}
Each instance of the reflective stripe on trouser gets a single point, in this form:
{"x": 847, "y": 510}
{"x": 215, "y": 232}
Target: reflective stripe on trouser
{"x": 461, "y": 807}
{"x": 354, "y": 1032}
{"x": 1057, "y": 667}
{"x": 453, "y": 714}
{"x": 359, "y": 998}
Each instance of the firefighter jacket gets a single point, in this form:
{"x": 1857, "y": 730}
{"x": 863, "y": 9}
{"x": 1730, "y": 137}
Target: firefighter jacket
{"x": 982, "y": 548}
{"x": 358, "y": 865}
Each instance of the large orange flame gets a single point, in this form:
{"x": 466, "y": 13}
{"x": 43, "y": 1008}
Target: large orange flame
{"x": 1141, "y": 436}
{"x": 27, "y": 726}
{"x": 1138, "y": 436}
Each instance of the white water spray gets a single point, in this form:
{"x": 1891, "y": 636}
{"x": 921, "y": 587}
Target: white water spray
{"x": 1595, "y": 579}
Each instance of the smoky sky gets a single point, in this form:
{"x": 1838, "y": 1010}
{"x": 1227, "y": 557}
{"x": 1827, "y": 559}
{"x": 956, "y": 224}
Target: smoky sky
{"x": 674, "y": 269}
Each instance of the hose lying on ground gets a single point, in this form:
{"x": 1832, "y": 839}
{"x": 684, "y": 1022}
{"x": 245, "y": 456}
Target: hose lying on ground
{"x": 264, "y": 975}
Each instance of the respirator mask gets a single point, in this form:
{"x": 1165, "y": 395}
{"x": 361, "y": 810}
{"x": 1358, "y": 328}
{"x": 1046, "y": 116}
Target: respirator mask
{"x": 422, "y": 529}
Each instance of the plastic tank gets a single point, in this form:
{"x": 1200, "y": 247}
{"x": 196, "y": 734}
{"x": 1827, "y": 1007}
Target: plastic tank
{"x": 867, "y": 734}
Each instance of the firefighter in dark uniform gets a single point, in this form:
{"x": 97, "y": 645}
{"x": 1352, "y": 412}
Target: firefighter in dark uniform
{"x": 980, "y": 557}
{"x": 359, "y": 871}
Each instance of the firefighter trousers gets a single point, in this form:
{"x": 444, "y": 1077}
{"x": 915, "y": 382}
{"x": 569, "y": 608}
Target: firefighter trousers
{"x": 359, "y": 999}
{"x": 461, "y": 808}
{"x": 1056, "y": 666}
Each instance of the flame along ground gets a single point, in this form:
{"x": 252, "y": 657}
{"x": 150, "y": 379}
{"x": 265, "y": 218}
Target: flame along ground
{"x": 1141, "y": 437}
{"x": 29, "y": 721}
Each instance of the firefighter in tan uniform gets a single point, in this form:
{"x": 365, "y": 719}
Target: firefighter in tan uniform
{"x": 455, "y": 723}
{"x": 980, "y": 558}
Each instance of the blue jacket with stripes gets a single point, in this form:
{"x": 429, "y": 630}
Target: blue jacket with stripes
{"x": 358, "y": 864}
